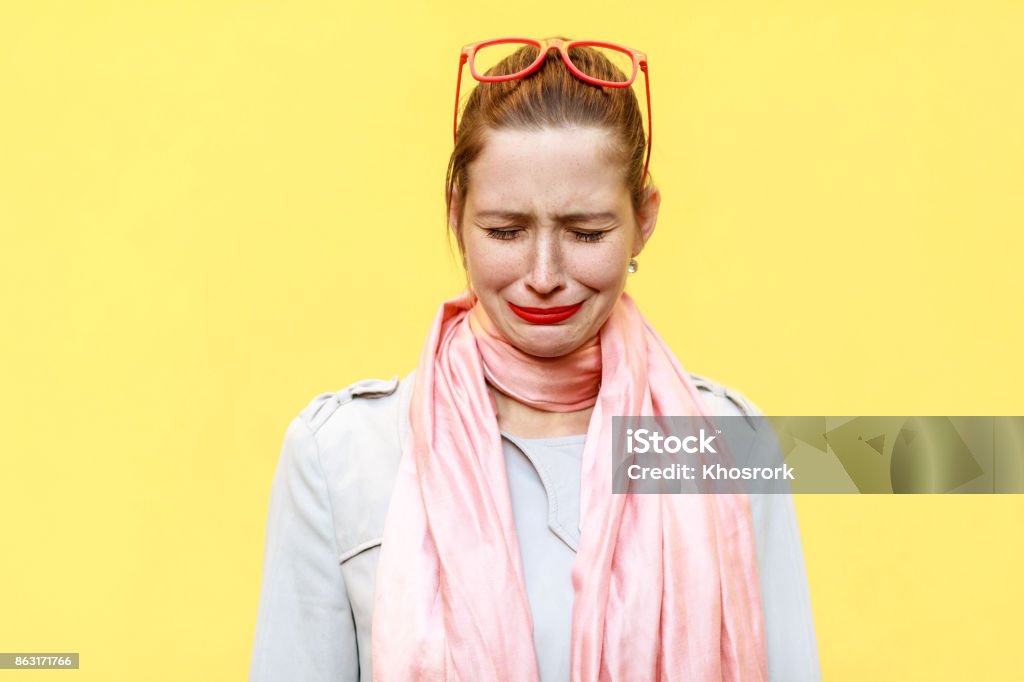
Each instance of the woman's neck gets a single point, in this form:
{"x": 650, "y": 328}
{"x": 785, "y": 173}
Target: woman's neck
{"x": 522, "y": 420}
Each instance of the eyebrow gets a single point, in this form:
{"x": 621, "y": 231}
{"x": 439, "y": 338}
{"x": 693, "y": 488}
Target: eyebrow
{"x": 578, "y": 217}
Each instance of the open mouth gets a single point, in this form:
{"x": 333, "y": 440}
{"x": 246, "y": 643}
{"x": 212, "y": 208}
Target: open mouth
{"x": 546, "y": 315}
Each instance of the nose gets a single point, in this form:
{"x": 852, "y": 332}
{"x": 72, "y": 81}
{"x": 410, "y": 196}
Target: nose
{"x": 547, "y": 273}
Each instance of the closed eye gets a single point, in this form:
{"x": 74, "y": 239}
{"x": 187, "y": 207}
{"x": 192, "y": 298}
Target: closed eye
{"x": 504, "y": 234}
{"x": 590, "y": 236}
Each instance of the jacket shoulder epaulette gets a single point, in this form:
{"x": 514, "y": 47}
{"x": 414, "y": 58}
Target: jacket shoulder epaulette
{"x": 320, "y": 409}
{"x": 747, "y": 408}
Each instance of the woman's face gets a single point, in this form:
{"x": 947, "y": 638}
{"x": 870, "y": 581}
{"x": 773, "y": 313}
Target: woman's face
{"x": 548, "y": 223}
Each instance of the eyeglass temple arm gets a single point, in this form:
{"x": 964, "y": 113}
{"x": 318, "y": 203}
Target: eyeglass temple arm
{"x": 458, "y": 84}
{"x": 650, "y": 125}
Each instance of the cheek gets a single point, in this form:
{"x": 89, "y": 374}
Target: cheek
{"x": 600, "y": 269}
{"x": 491, "y": 266}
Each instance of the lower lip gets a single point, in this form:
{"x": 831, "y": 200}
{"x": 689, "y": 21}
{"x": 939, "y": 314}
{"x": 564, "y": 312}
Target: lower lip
{"x": 546, "y": 318}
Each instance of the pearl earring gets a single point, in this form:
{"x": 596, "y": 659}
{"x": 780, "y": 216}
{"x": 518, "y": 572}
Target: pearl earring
{"x": 632, "y": 265}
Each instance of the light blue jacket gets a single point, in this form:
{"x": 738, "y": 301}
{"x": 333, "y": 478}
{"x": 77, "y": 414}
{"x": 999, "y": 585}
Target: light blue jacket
{"x": 328, "y": 503}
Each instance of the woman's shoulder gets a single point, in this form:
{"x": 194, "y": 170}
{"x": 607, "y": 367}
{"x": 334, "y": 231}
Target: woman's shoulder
{"x": 359, "y": 429}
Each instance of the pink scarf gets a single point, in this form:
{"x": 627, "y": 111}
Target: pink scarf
{"x": 665, "y": 586}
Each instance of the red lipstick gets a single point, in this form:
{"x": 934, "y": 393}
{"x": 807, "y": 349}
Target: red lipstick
{"x": 546, "y": 315}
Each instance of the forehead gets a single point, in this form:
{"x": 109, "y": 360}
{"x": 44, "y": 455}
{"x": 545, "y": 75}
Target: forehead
{"x": 555, "y": 169}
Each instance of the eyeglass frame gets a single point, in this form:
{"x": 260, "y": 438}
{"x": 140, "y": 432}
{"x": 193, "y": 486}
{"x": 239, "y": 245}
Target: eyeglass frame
{"x": 469, "y": 51}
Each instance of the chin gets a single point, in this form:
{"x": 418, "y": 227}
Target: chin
{"x": 549, "y": 345}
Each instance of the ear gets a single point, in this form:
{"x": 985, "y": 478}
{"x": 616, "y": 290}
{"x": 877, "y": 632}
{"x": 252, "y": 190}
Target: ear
{"x": 647, "y": 218}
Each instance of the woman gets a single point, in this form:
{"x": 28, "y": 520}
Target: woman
{"x": 458, "y": 524}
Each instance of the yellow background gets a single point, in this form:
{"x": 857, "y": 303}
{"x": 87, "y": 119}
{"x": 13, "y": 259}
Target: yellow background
{"x": 213, "y": 211}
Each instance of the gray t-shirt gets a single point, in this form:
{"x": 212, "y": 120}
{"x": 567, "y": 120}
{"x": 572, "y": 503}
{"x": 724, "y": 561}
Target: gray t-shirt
{"x": 544, "y": 483}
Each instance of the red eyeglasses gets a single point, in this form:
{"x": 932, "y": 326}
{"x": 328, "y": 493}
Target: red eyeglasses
{"x": 637, "y": 60}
